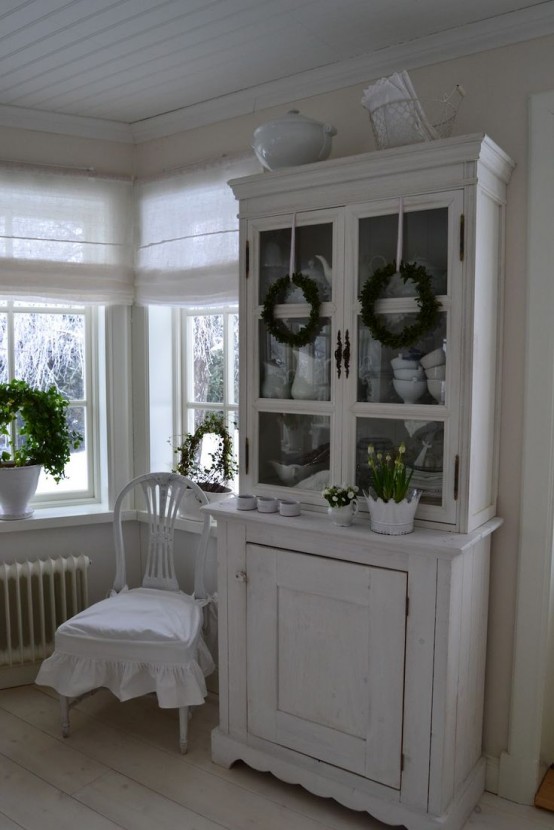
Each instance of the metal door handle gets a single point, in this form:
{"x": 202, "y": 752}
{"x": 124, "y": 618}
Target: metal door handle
{"x": 338, "y": 354}
{"x": 346, "y": 353}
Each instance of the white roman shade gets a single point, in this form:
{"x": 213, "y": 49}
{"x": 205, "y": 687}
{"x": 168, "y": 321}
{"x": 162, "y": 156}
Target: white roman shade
{"x": 65, "y": 237}
{"x": 188, "y": 226}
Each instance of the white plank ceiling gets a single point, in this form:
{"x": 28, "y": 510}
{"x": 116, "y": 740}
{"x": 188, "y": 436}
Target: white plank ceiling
{"x": 159, "y": 65}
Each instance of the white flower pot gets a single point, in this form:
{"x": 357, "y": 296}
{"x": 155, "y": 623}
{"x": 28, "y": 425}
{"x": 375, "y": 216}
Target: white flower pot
{"x": 17, "y": 487}
{"x": 190, "y": 506}
{"x": 393, "y": 518}
{"x": 344, "y": 515}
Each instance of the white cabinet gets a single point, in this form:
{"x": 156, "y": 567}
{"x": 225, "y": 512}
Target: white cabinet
{"x": 307, "y": 414}
{"x": 353, "y": 664}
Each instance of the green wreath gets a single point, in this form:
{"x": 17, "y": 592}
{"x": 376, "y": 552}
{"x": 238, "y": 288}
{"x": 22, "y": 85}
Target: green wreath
{"x": 276, "y": 294}
{"x": 429, "y": 306}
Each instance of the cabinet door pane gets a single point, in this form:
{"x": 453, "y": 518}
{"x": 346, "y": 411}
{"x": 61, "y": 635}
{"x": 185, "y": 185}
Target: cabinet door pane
{"x": 425, "y": 241}
{"x": 387, "y": 375}
{"x": 294, "y": 450}
{"x": 313, "y": 257}
{"x": 299, "y": 373}
{"x": 424, "y": 442}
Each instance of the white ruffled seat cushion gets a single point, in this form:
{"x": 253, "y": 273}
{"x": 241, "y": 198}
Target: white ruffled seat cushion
{"x": 136, "y": 642}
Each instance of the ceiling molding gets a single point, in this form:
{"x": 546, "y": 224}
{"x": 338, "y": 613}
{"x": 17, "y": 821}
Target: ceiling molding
{"x": 54, "y": 122}
{"x": 513, "y": 27}
{"x": 503, "y": 30}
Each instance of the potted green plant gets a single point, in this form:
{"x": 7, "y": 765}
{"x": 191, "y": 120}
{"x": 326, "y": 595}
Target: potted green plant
{"x": 343, "y": 503}
{"x": 36, "y": 435}
{"x": 391, "y": 501}
{"x": 212, "y": 478}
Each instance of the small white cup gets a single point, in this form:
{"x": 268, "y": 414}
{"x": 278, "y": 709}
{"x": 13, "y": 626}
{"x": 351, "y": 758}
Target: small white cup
{"x": 267, "y": 504}
{"x": 246, "y": 502}
{"x": 288, "y": 507}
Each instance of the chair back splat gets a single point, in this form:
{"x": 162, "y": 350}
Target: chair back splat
{"x": 162, "y": 496}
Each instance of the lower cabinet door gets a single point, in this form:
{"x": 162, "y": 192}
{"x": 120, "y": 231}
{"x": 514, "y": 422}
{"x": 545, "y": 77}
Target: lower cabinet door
{"x": 325, "y": 657}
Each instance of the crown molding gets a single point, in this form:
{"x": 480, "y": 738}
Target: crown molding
{"x": 503, "y": 30}
{"x": 62, "y": 124}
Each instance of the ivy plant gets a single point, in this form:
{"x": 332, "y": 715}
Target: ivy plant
{"x": 43, "y": 433}
{"x": 222, "y": 465}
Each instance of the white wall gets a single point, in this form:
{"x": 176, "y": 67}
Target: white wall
{"x": 497, "y": 84}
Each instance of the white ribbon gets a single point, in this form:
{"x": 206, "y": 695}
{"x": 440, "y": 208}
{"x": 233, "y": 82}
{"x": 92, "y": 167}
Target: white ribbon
{"x": 400, "y": 234}
{"x": 292, "y": 246}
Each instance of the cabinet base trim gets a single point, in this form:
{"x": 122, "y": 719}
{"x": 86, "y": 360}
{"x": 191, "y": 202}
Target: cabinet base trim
{"x": 226, "y": 750}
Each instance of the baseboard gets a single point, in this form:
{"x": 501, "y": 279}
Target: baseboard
{"x": 11, "y": 676}
{"x": 519, "y": 778}
{"x": 492, "y": 772}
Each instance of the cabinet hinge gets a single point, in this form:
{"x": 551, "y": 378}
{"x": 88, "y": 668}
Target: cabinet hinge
{"x": 456, "y": 476}
{"x": 246, "y": 455}
{"x": 247, "y": 259}
{"x": 462, "y": 237}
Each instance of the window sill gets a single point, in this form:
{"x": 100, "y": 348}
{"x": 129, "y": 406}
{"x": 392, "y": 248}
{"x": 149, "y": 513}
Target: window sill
{"x": 83, "y": 515}
{"x": 63, "y": 516}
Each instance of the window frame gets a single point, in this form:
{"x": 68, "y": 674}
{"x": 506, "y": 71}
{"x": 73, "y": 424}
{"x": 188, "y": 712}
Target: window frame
{"x": 186, "y": 405}
{"x": 13, "y": 306}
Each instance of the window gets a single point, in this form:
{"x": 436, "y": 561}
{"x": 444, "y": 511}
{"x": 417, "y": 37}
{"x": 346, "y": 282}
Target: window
{"x": 210, "y": 369}
{"x": 49, "y": 344}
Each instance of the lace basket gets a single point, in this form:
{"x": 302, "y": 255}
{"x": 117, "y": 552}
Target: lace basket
{"x": 399, "y": 117}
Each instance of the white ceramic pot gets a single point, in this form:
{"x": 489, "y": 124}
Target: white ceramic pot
{"x": 292, "y": 140}
{"x": 393, "y": 518}
{"x": 17, "y": 487}
{"x": 344, "y": 515}
{"x": 190, "y": 506}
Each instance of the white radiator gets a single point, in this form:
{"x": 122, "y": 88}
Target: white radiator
{"x": 35, "y": 598}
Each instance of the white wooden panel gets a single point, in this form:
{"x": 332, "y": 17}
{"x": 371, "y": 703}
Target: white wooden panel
{"x": 486, "y": 359}
{"x": 307, "y": 617}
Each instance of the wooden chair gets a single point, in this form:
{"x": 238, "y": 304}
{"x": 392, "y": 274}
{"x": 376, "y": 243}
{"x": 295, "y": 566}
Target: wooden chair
{"x": 146, "y": 639}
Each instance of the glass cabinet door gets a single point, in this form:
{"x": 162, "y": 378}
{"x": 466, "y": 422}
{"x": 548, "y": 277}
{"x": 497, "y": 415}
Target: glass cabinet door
{"x": 294, "y": 386}
{"x": 313, "y": 256}
{"x": 416, "y": 374}
{"x": 409, "y": 394}
{"x": 424, "y": 442}
{"x": 294, "y": 450}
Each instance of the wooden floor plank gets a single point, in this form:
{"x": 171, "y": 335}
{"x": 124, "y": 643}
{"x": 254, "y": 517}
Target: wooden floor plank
{"x": 7, "y": 824}
{"x": 56, "y": 763}
{"x": 135, "y": 807}
{"x": 170, "y": 775}
{"x": 122, "y": 767}
{"x": 48, "y": 808}
{"x": 142, "y": 718}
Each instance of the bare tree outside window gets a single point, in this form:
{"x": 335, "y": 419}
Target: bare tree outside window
{"x": 44, "y": 344}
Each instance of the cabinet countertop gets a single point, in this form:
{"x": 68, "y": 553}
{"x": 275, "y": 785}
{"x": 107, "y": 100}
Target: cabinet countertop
{"x": 264, "y": 527}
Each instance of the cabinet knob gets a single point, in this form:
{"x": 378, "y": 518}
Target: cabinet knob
{"x": 241, "y": 576}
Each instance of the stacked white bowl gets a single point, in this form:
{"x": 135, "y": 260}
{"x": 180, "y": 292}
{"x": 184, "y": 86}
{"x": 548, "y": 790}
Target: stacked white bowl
{"x": 409, "y": 379}
{"x": 434, "y": 364}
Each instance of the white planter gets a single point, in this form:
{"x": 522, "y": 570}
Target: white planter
{"x": 344, "y": 515}
{"x": 190, "y": 506}
{"x": 393, "y": 518}
{"x": 17, "y": 487}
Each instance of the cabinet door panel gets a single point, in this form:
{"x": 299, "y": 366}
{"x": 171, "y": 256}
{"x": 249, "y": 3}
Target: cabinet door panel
{"x": 307, "y": 618}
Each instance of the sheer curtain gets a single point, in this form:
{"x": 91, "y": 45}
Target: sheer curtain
{"x": 187, "y": 227}
{"x": 65, "y": 236}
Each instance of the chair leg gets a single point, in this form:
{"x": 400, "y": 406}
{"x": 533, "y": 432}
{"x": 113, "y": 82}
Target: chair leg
{"x": 64, "y": 711}
{"x": 183, "y": 728}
